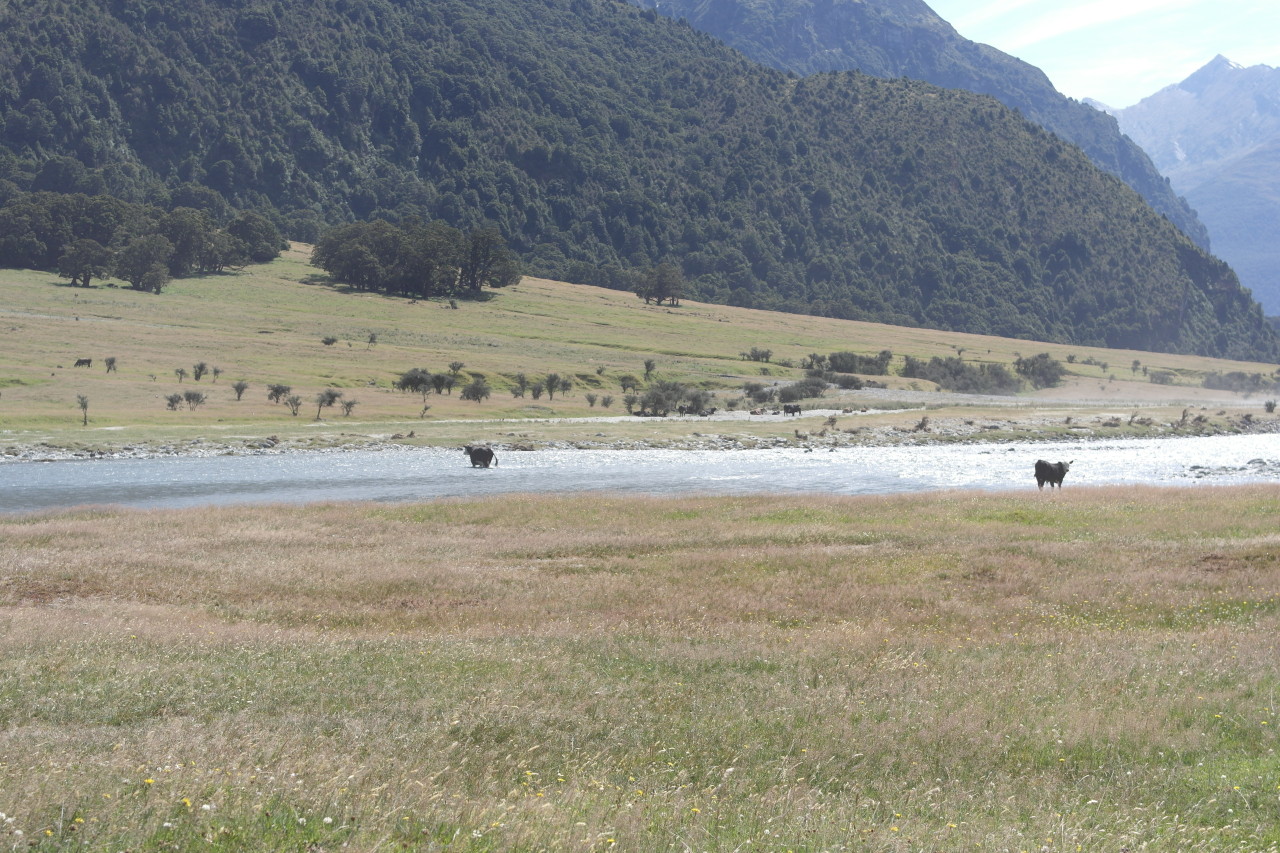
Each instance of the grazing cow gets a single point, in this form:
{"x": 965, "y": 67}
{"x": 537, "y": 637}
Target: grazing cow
{"x": 84, "y": 362}
{"x": 481, "y": 457}
{"x": 789, "y": 409}
{"x": 1051, "y": 473}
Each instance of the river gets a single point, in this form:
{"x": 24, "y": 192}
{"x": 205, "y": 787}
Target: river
{"x": 410, "y": 474}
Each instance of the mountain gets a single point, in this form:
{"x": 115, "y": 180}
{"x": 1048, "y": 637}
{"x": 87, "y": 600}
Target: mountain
{"x": 905, "y": 38}
{"x": 1216, "y": 135}
{"x": 600, "y": 139}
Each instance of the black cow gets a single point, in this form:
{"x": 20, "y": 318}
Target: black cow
{"x": 481, "y": 457}
{"x": 789, "y": 409}
{"x": 84, "y": 362}
{"x": 1051, "y": 473}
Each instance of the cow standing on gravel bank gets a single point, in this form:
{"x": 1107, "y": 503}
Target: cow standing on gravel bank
{"x": 1051, "y": 473}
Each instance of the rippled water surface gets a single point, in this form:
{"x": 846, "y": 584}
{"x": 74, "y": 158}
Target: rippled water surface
{"x": 423, "y": 474}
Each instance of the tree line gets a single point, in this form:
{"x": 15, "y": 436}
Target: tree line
{"x": 86, "y": 237}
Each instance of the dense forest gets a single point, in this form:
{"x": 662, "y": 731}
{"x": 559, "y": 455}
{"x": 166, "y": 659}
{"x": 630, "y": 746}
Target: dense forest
{"x": 598, "y": 139}
{"x": 905, "y": 38}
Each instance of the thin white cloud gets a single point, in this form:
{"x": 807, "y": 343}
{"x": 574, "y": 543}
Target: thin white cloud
{"x": 1057, "y": 22}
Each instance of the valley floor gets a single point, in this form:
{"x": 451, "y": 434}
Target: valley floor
{"x": 871, "y": 417}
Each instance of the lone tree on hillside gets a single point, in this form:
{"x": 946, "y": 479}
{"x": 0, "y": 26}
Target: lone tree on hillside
{"x": 83, "y": 260}
{"x": 663, "y": 283}
{"x": 240, "y": 387}
{"x": 325, "y": 399}
{"x": 416, "y": 380}
{"x": 83, "y": 402}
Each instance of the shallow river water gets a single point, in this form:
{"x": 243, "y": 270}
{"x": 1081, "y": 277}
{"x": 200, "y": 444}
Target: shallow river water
{"x": 407, "y": 474}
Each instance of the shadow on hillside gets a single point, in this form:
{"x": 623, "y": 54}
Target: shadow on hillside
{"x": 324, "y": 280}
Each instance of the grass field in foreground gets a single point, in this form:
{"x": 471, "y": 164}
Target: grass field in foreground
{"x": 1091, "y": 670}
{"x": 266, "y": 325}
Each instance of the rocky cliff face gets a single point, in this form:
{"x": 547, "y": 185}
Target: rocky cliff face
{"x": 1216, "y": 135}
{"x": 905, "y": 38}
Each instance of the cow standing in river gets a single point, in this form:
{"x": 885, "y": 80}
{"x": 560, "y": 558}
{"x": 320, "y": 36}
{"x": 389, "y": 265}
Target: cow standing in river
{"x": 1051, "y": 473}
{"x": 481, "y": 457}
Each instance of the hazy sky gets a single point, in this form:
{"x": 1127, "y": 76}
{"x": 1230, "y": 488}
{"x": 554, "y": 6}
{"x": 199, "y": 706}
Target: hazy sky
{"x": 1120, "y": 51}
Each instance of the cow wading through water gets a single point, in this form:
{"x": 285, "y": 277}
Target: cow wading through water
{"x": 481, "y": 457}
{"x": 1051, "y": 473}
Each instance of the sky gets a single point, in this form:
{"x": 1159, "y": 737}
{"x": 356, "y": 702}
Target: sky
{"x": 1120, "y": 51}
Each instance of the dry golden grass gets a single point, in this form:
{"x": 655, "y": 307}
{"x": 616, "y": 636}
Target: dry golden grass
{"x": 1090, "y": 670}
{"x": 265, "y": 326}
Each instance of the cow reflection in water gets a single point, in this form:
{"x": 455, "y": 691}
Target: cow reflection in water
{"x": 481, "y": 457}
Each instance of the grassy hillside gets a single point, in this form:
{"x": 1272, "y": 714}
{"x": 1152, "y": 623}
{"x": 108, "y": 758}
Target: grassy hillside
{"x": 1093, "y": 671}
{"x": 266, "y": 326}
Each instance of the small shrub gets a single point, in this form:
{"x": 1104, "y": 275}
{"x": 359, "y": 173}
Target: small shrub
{"x": 1270, "y": 406}
{"x": 477, "y": 389}
{"x": 519, "y": 385}
{"x": 606, "y": 401}
{"x": 591, "y": 400}
{"x": 868, "y": 365}
{"x": 294, "y": 402}
{"x": 173, "y": 401}
{"x": 953, "y": 374}
{"x": 193, "y": 399}
{"x": 328, "y": 340}
{"x": 240, "y": 387}
{"x": 276, "y": 393}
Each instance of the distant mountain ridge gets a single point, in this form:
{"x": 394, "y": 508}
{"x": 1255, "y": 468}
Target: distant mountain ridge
{"x": 906, "y": 38}
{"x": 1216, "y": 135}
{"x": 603, "y": 140}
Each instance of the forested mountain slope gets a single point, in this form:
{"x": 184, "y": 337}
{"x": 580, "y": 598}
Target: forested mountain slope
{"x": 599, "y": 137}
{"x": 905, "y": 38}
